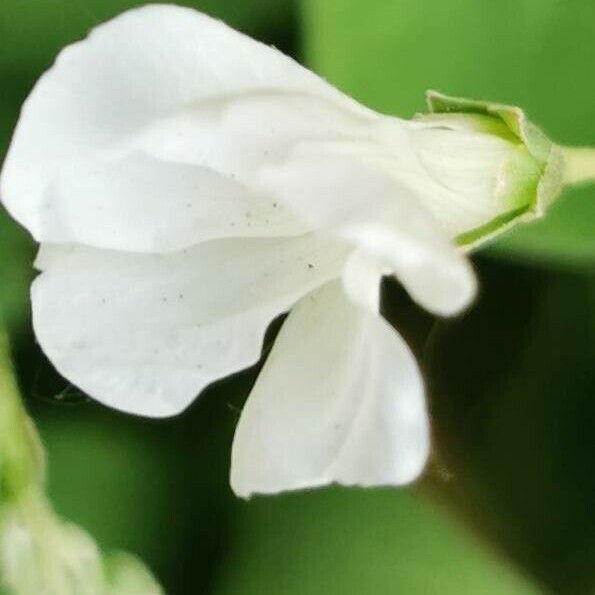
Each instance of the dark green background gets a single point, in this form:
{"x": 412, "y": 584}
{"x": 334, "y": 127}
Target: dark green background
{"x": 510, "y": 489}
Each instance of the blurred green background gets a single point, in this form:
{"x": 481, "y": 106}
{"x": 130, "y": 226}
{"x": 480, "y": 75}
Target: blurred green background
{"x": 506, "y": 506}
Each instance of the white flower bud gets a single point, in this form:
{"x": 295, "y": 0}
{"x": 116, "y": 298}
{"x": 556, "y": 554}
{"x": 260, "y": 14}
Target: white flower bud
{"x": 42, "y": 555}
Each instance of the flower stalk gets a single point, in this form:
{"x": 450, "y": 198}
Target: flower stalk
{"x": 579, "y": 164}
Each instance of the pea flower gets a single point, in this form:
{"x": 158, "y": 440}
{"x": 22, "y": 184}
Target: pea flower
{"x": 188, "y": 184}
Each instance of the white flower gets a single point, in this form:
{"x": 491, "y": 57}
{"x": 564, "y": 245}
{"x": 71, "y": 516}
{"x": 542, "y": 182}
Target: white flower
{"x": 39, "y": 553}
{"x": 188, "y": 184}
{"x": 42, "y": 555}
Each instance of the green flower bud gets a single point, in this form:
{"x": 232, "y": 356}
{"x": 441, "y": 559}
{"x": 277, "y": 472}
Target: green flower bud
{"x": 495, "y": 160}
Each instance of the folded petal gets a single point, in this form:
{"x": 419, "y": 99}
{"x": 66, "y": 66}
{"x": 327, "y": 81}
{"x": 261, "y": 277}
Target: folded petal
{"x": 161, "y": 83}
{"x": 340, "y": 399}
{"x": 346, "y": 190}
{"x": 146, "y": 333}
{"x": 141, "y": 203}
{"x": 362, "y": 278}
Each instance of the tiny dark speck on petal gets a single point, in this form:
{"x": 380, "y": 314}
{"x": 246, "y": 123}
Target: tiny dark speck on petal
{"x": 274, "y": 205}
{"x": 310, "y": 265}
{"x": 180, "y": 296}
{"x": 164, "y": 299}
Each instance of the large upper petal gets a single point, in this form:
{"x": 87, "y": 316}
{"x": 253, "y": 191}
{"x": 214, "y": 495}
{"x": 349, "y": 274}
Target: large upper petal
{"x": 157, "y": 85}
{"x": 146, "y": 333}
{"x": 340, "y": 399}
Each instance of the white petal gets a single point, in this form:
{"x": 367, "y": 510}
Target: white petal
{"x": 239, "y": 134}
{"x": 340, "y": 399}
{"x": 346, "y": 193}
{"x": 362, "y": 277}
{"x": 170, "y": 82}
{"x": 143, "y": 204}
{"x": 146, "y": 333}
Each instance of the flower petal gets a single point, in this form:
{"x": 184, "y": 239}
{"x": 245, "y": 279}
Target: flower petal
{"x": 146, "y": 333}
{"x": 340, "y": 399}
{"x": 350, "y": 195}
{"x": 362, "y": 278}
{"x": 140, "y": 203}
{"x": 161, "y": 80}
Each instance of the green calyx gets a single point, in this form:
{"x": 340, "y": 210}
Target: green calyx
{"x": 535, "y": 174}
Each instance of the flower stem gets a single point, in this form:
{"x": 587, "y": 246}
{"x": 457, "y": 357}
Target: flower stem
{"x": 579, "y": 164}
{"x": 21, "y": 455}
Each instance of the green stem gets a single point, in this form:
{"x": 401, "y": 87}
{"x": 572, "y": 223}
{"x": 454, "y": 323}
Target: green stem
{"x": 579, "y": 164}
{"x": 21, "y": 455}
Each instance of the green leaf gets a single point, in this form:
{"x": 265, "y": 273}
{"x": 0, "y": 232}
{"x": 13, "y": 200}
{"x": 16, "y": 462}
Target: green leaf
{"x": 533, "y": 53}
{"x": 358, "y": 541}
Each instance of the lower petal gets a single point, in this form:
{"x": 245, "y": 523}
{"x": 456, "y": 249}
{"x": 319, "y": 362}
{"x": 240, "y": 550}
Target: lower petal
{"x": 340, "y": 399}
{"x": 146, "y": 333}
